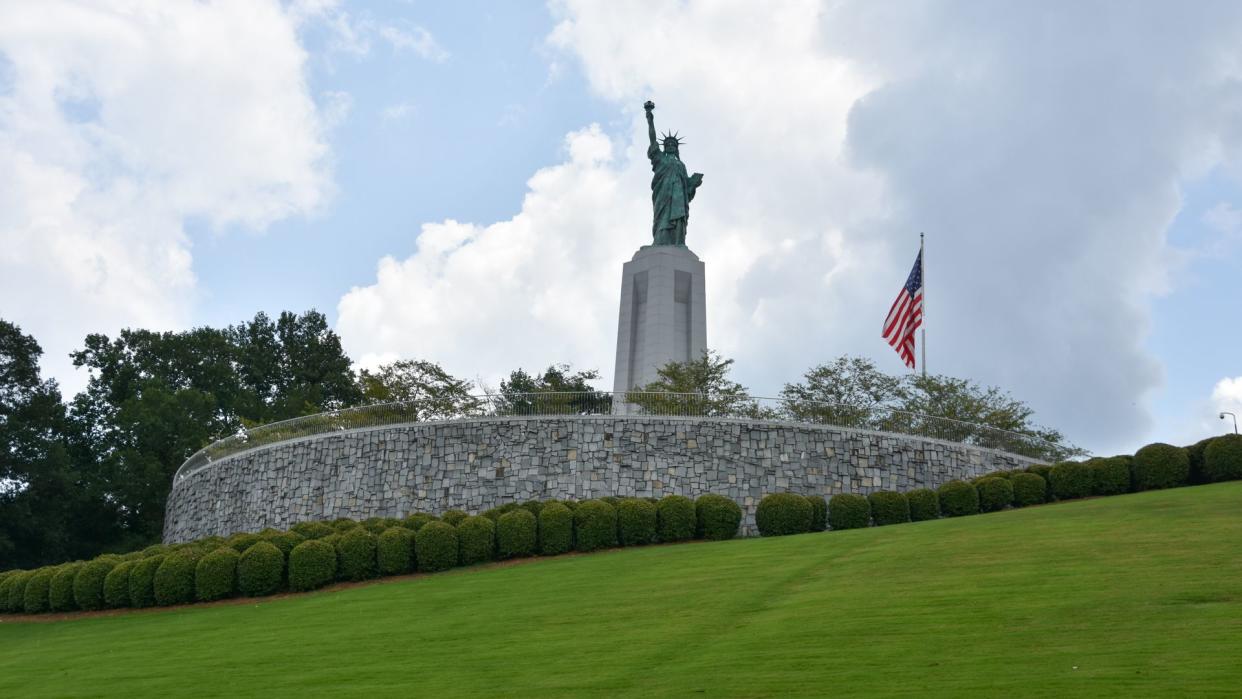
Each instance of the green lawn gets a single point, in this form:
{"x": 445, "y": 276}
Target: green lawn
{"x": 1137, "y": 595}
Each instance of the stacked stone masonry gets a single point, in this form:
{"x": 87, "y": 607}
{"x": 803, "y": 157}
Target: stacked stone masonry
{"x": 474, "y": 465}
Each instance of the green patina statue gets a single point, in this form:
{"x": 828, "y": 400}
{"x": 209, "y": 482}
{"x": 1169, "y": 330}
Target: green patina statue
{"x": 671, "y": 190}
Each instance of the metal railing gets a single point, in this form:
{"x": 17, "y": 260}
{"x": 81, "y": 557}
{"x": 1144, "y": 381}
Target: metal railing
{"x": 631, "y": 404}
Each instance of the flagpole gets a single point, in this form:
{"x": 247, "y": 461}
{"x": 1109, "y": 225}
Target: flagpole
{"x": 923, "y": 274}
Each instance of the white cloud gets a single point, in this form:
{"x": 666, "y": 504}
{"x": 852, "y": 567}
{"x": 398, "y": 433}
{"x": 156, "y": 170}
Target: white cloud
{"x": 1041, "y": 147}
{"x": 398, "y": 111}
{"x": 120, "y": 124}
{"x": 416, "y": 39}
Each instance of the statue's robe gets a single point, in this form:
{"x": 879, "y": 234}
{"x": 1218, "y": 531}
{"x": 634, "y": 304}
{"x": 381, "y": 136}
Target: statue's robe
{"x": 671, "y": 193}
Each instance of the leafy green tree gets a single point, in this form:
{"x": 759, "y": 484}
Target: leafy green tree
{"x": 848, "y": 391}
{"x": 558, "y": 391}
{"x": 424, "y": 388}
{"x": 698, "y": 387}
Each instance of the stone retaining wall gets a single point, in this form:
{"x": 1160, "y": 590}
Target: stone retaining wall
{"x": 477, "y": 464}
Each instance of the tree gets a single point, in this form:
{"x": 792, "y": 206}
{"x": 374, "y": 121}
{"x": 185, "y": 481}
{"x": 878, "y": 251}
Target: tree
{"x": 849, "y": 391}
{"x": 557, "y": 391}
{"x": 425, "y": 390}
{"x": 699, "y": 387}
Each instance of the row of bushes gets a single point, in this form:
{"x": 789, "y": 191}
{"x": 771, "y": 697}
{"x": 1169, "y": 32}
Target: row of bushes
{"x": 1155, "y": 466}
{"x": 314, "y": 554}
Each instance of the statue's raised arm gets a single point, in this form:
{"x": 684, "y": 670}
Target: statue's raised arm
{"x": 671, "y": 188}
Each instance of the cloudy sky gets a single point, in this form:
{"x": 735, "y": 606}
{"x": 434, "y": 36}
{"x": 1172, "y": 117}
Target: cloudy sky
{"x": 462, "y": 181}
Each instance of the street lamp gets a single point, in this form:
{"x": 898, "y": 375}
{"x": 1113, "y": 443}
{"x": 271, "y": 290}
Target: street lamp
{"x": 1235, "y": 420}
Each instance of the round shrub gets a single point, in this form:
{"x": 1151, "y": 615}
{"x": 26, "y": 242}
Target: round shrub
{"x": 476, "y": 540}
{"x": 958, "y": 498}
{"x": 312, "y": 564}
{"x": 1158, "y": 466}
{"x": 415, "y": 521}
{"x": 496, "y": 513}
{"x": 241, "y": 542}
{"x": 848, "y": 511}
{"x": 35, "y": 600}
{"x": 435, "y": 547}
{"x": 1028, "y": 489}
{"x": 675, "y": 518}
{"x": 779, "y": 514}
{"x": 215, "y": 576}
{"x": 312, "y": 530}
{"x": 556, "y": 529}
{"x": 285, "y": 541}
{"x": 1222, "y": 459}
{"x": 116, "y": 585}
{"x": 924, "y": 505}
{"x": 261, "y": 569}
{"x": 16, "y": 601}
{"x": 88, "y": 585}
{"x": 142, "y": 581}
{"x": 534, "y": 507}
{"x": 716, "y": 517}
{"x": 174, "y": 579}
{"x": 60, "y": 591}
{"x": 355, "y": 555}
{"x": 636, "y": 522}
{"x": 5, "y": 583}
{"x": 888, "y": 507}
{"x": 1044, "y": 471}
{"x": 611, "y": 500}
{"x": 154, "y": 550}
{"x": 343, "y": 524}
{"x": 1196, "y": 456}
{"x": 394, "y": 551}
{"x": 994, "y": 494}
{"x": 819, "y": 513}
{"x": 595, "y": 526}
{"x": 517, "y": 534}
{"x": 453, "y": 517}
{"x": 571, "y": 504}
{"x": 1070, "y": 480}
{"x": 1110, "y": 476}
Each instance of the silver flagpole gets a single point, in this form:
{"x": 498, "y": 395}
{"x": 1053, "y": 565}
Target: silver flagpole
{"x": 923, "y": 274}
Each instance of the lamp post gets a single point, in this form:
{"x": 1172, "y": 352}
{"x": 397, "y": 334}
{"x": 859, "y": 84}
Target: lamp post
{"x": 1235, "y": 420}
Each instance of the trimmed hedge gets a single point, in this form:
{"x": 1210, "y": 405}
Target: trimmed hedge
{"x": 957, "y": 499}
{"x": 848, "y": 511}
{"x": 781, "y": 514}
{"x": 716, "y": 517}
{"x": 924, "y": 505}
{"x": 312, "y": 564}
{"x": 1044, "y": 471}
{"x": 476, "y": 540}
{"x": 496, "y": 513}
{"x": 154, "y": 550}
{"x": 1222, "y": 458}
{"x": 556, "y": 529}
{"x": 343, "y": 524}
{"x": 60, "y": 591}
{"x": 15, "y": 600}
{"x": 312, "y": 530}
{"x": 1070, "y": 480}
{"x": 888, "y": 507}
{"x": 453, "y": 517}
{"x": 995, "y": 494}
{"x": 215, "y": 576}
{"x": 375, "y": 525}
{"x": 241, "y": 542}
{"x": 394, "y": 551}
{"x": 1029, "y": 489}
{"x": 355, "y": 555}
{"x": 142, "y": 581}
{"x": 285, "y": 541}
{"x": 174, "y": 579}
{"x": 636, "y": 522}
{"x": 435, "y": 547}
{"x": 819, "y": 513}
{"x": 595, "y": 526}
{"x": 415, "y": 521}
{"x": 675, "y": 519}
{"x": 261, "y": 569}
{"x": 116, "y": 585}
{"x": 88, "y": 585}
{"x": 517, "y": 534}
{"x": 1159, "y": 465}
{"x": 35, "y": 600}
{"x": 1110, "y": 476}
{"x": 534, "y": 507}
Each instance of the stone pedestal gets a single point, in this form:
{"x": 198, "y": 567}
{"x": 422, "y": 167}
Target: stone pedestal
{"x": 663, "y": 315}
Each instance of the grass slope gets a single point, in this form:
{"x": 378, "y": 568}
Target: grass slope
{"x": 1124, "y": 596}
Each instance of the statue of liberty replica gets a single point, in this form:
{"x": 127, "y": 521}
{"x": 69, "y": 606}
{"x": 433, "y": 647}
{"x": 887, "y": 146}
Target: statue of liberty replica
{"x": 671, "y": 190}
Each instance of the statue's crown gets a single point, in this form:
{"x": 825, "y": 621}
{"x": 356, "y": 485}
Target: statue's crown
{"x": 671, "y": 138}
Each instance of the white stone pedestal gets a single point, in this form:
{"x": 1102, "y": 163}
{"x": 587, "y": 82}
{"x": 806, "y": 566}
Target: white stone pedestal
{"x": 663, "y": 315}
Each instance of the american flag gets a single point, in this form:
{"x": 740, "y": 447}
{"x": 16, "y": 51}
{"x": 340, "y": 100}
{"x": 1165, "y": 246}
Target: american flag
{"x": 906, "y": 315}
